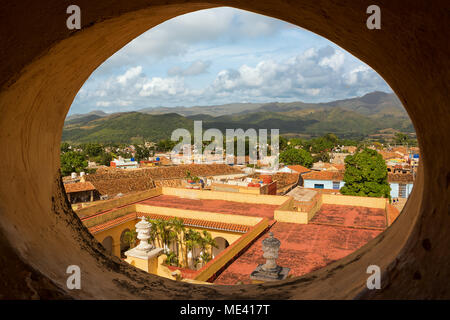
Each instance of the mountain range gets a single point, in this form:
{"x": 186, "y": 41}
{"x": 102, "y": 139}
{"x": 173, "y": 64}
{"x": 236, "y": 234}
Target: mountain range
{"x": 354, "y": 118}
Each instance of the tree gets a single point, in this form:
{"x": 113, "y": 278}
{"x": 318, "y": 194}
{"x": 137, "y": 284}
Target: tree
{"x": 142, "y": 153}
{"x": 178, "y": 227}
{"x": 172, "y": 259}
{"x": 165, "y": 233}
{"x": 192, "y": 239}
{"x": 296, "y": 156}
{"x": 322, "y": 156}
{"x": 165, "y": 145}
{"x": 130, "y": 237}
{"x": 400, "y": 138}
{"x": 92, "y": 149}
{"x": 72, "y": 162}
{"x": 283, "y": 143}
{"x": 295, "y": 142}
{"x": 105, "y": 158}
{"x": 154, "y": 232}
{"x": 366, "y": 175}
{"x": 208, "y": 241}
{"x": 65, "y": 147}
{"x": 322, "y": 144}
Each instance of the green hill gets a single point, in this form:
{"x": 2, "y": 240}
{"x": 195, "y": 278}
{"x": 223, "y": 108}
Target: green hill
{"x": 351, "y": 118}
{"x": 122, "y": 127}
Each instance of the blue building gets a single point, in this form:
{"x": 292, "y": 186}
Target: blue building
{"x": 401, "y": 184}
{"x": 333, "y": 180}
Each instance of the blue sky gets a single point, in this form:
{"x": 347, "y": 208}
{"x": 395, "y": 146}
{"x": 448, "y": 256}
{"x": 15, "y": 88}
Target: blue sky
{"x": 220, "y": 56}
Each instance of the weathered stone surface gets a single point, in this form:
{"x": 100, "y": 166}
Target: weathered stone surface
{"x": 43, "y": 65}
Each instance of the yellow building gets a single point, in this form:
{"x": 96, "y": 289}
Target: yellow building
{"x": 109, "y": 222}
{"x": 233, "y": 219}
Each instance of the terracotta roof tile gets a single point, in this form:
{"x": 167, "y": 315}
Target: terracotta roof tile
{"x": 78, "y": 187}
{"x": 201, "y": 223}
{"x": 340, "y": 167}
{"x": 400, "y": 177}
{"x": 388, "y": 155}
{"x": 324, "y": 175}
{"x": 187, "y": 221}
{"x": 299, "y": 168}
{"x": 112, "y": 223}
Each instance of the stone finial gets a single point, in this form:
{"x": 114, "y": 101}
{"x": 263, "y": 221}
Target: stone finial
{"x": 270, "y": 271}
{"x": 144, "y": 255}
{"x": 143, "y": 234}
{"x": 270, "y": 247}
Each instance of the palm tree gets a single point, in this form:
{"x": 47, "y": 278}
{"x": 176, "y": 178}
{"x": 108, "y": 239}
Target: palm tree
{"x": 130, "y": 237}
{"x": 209, "y": 242}
{"x": 164, "y": 232}
{"x": 188, "y": 244}
{"x": 178, "y": 227}
{"x": 172, "y": 259}
{"x": 171, "y": 237}
{"x": 154, "y": 231}
{"x": 192, "y": 240}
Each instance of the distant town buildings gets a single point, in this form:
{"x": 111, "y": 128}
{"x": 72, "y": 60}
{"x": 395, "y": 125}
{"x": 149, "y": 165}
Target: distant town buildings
{"x": 81, "y": 192}
{"x": 235, "y": 203}
{"x": 331, "y": 180}
{"x": 122, "y": 163}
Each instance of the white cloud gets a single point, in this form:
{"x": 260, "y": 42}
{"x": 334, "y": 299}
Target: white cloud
{"x": 176, "y": 37}
{"x": 162, "y": 86}
{"x": 312, "y": 75}
{"x": 335, "y": 61}
{"x": 195, "y": 68}
{"x": 357, "y": 74}
{"x": 129, "y": 74}
{"x": 103, "y": 104}
{"x": 225, "y": 55}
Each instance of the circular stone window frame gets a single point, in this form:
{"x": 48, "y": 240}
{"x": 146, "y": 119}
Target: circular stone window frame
{"x": 43, "y": 66}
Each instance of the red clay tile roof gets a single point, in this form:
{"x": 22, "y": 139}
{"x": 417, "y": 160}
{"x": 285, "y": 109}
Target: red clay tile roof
{"x": 308, "y": 247}
{"x": 304, "y": 248}
{"x": 388, "y": 155}
{"x": 112, "y": 223}
{"x": 187, "y": 221}
{"x": 350, "y": 216}
{"x": 400, "y": 177}
{"x": 392, "y": 213}
{"x": 324, "y": 175}
{"x": 298, "y": 168}
{"x": 400, "y": 149}
{"x": 213, "y": 205}
{"x": 78, "y": 187}
{"x": 340, "y": 167}
{"x": 201, "y": 223}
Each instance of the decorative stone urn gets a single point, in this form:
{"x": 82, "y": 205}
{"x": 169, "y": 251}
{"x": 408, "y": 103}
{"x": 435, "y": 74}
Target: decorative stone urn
{"x": 144, "y": 256}
{"x": 270, "y": 271}
{"x": 143, "y": 234}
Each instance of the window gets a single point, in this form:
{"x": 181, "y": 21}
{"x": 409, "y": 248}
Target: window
{"x": 402, "y": 190}
{"x": 336, "y": 185}
{"x": 318, "y": 186}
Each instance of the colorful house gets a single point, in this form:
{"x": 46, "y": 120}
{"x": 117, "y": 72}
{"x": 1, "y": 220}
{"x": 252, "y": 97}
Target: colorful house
{"x": 124, "y": 163}
{"x": 401, "y": 184}
{"x": 333, "y": 180}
